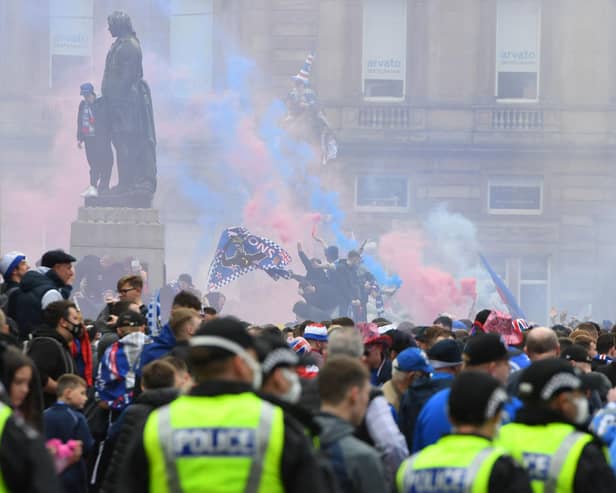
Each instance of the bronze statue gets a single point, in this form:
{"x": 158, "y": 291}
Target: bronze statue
{"x": 131, "y": 119}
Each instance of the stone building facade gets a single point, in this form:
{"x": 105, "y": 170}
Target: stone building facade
{"x": 502, "y": 109}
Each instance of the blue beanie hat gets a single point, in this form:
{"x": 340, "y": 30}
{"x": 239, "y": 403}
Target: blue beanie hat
{"x": 86, "y": 88}
{"x": 9, "y": 262}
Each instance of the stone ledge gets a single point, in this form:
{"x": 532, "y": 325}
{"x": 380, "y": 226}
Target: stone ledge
{"x": 118, "y": 215}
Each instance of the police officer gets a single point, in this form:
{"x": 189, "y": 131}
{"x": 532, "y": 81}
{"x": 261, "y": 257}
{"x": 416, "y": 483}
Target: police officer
{"x": 466, "y": 461}
{"x": 548, "y": 437}
{"x": 221, "y": 437}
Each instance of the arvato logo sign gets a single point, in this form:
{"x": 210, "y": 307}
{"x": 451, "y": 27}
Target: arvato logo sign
{"x": 381, "y": 66}
{"x": 518, "y": 56}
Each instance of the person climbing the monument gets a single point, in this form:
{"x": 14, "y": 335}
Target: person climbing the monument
{"x": 93, "y": 132}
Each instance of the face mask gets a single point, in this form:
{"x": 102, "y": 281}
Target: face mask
{"x": 221, "y": 342}
{"x": 295, "y": 391}
{"x": 582, "y": 411}
{"x": 74, "y": 329}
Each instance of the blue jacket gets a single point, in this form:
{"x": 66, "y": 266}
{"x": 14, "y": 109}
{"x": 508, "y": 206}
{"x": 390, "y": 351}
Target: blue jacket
{"x": 160, "y": 346}
{"x": 64, "y": 423}
{"x": 613, "y": 455}
{"x": 433, "y": 422}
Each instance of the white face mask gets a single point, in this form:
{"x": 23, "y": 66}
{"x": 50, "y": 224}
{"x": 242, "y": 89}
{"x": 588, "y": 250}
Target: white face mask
{"x": 582, "y": 410}
{"x": 295, "y": 391}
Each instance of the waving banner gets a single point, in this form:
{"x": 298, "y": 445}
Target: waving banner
{"x": 239, "y": 252}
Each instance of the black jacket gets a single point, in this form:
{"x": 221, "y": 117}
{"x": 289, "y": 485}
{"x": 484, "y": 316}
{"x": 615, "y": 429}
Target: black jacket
{"x": 25, "y": 462}
{"x": 593, "y": 473}
{"x": 25, "y": 306}
{"x": 133, "y": 422}
{"x": 52, "y": 357}
{"x": 413, "y": 401}
{"x": 299, "y": 470}
{"x": 348, "y": 282}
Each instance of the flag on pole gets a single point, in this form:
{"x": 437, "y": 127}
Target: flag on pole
{"x": 239, "y": 252}
{"x": 503, "y": 291}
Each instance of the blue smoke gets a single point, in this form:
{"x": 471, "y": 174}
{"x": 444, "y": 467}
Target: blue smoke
{"x": 220, "y": 207}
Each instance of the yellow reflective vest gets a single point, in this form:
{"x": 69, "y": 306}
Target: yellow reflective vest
{"x": 5, "y": 414}
{"x": 229, "y": 443}
{"x": 549, "y": 453}
{"x": 455, "y": 464}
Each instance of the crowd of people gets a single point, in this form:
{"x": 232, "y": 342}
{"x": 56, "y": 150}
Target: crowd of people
{"x": 336, "y": 286}
{"x": 212, "y": 403}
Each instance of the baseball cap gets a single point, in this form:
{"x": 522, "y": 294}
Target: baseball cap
{"x": 420, "y": 333}
{"x": 9, "y": 262}
{"x": 130, "y": 319}
{"x": 224, "y": 337}
{"x": 53, "y": 257}
{"x": 412, "y": 359}
{"x": 485, "y": 348}
{"x": 475, "y": 398}
{"x": 445, "y": 354}
{"x": 577, "y": 353}
{"x": 545, "y": 379}
{"x": 400, "y": 340}
{"x": 316, "y": 332}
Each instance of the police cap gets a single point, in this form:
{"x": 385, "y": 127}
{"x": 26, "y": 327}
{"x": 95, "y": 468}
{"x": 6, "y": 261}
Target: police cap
{"x": 475, "y": 398}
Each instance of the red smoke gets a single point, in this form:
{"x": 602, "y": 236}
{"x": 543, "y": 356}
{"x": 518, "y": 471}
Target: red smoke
{"x": 426, "y": 291}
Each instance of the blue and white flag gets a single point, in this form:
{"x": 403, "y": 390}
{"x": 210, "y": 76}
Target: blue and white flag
{"x": 239, "y": 252}
{"x": 153, "y": 317}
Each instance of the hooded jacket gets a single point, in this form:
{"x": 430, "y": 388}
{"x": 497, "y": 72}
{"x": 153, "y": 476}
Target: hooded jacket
{"x": 26, "y": 306}
{"x": 160, "y": 346}
{"x": 357, "y": 465}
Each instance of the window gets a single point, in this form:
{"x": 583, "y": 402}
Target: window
{"x": 384, "y": 49}
{"x": 382, "y": 192}
{"x": 534, "y": 292}
{"x": 70, "y": 41}
{"x": 518, "y": 49}
{"x": 515, "y": 195}
{"x": 191, "y": 46}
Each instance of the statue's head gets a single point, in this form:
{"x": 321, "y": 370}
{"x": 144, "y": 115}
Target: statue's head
{"x": 120, "y": 24}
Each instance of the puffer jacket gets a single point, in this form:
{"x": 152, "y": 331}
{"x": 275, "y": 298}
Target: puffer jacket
{"x": 25, "y": 307}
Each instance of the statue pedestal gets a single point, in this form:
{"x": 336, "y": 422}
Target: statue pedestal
{"x": 121, "y": 232}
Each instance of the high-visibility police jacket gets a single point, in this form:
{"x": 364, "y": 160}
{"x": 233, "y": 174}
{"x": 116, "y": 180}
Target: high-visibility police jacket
{"x": 5, "y": 414}
{"x": 228, "y": 443}
{"x": 454, "y": 464}
{"x": 550, "y": 453}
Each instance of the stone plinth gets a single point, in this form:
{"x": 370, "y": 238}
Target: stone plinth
{"x": 121, "y": 233}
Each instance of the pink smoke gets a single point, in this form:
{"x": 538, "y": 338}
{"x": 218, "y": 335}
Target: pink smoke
{"x": 426, "y": 290}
